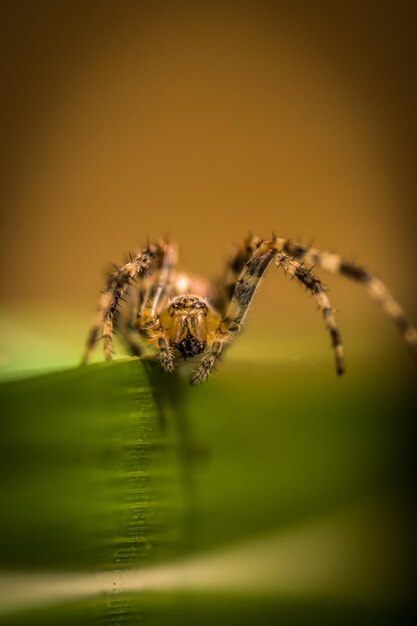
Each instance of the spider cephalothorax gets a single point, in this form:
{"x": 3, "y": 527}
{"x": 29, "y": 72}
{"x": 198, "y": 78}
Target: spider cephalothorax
{"x": 186, "y": 325}
{"x": 187, "y": 316}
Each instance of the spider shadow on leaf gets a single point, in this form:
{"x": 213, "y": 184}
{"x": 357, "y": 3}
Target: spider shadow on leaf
{"x": 174, "y": 425}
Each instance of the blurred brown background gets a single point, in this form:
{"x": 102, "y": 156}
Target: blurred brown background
{"x": 202, "y": 121}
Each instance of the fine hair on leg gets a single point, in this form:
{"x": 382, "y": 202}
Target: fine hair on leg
{"x": 335, "y": 264}
{"x": 116, "y": 287}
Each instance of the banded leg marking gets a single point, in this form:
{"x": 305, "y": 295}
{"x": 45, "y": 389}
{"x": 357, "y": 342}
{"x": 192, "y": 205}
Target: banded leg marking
{"x": 235, "y": 266}
{"x": 247, "y": 284}
{"x": 377, "y": 290}
{"x": 207, "y": 362}
{"x": 314, "y": 285}
{"x": 116, "y": 287}
{"x": 165, "y": 354}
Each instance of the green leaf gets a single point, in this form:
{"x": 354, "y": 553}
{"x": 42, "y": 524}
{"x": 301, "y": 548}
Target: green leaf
{"x": 271, "y": 481}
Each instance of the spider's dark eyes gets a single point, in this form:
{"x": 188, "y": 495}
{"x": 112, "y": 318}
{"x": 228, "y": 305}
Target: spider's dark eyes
{"x": 188, "y": 302}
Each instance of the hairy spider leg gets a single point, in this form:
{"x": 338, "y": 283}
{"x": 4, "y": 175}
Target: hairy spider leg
{"x": 315, "y": 287}
{"x": 246, "y": 285}
{"x": 234, "y": 266}
{"x": 159, "y": 286}
{"x": 116, "y": 287}
{"x": 209, "y": 359}
{"x": 125, "y": 323}
{"x": 165, "y": 353}
{"x": 248, "y": 282}
{"x": 377, "y": 290}
{"x": 142, "y": 304}
{"x": 133, "y": 296}
{"x": 148, "y": 319}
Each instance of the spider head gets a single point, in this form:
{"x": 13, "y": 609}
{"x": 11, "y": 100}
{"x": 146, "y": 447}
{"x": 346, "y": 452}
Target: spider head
{"x": 186, "y": 325}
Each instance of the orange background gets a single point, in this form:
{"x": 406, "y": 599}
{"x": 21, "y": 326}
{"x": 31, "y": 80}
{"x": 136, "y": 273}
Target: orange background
{"x": 202, "y": 121}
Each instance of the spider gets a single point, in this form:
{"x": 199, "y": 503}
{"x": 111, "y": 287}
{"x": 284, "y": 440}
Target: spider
{"x": 179, "y": 314}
